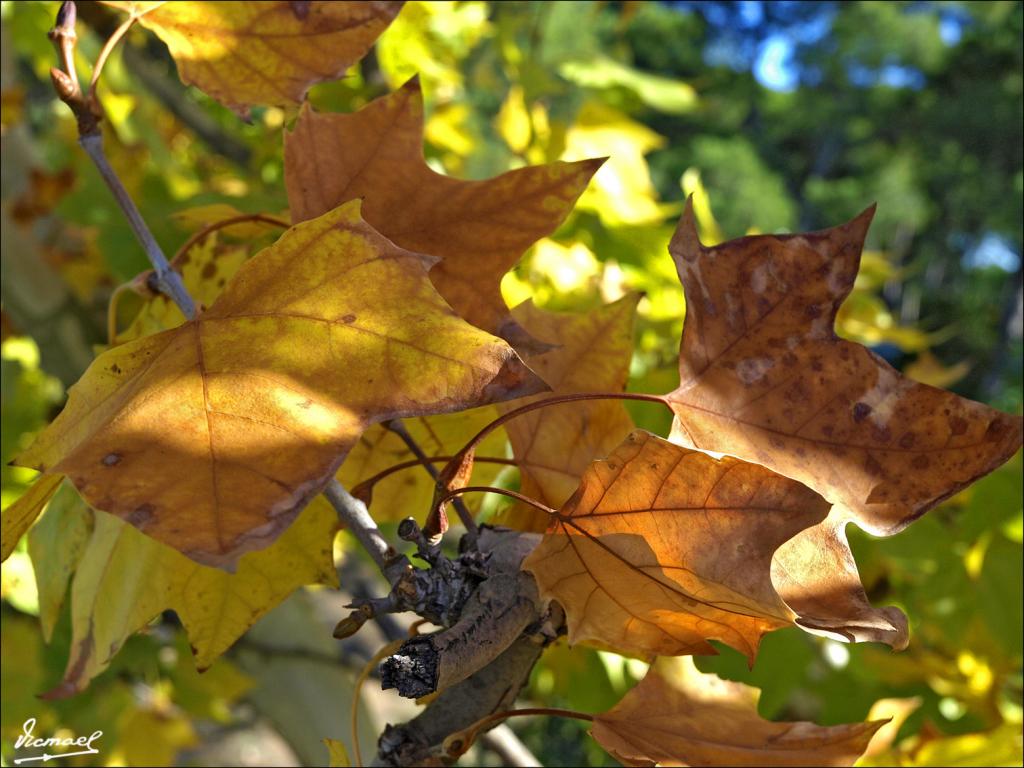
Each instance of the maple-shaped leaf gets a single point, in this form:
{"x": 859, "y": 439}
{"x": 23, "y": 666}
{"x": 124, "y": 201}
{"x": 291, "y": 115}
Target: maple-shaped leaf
{"x": 678, "y": 716}
{"x": 410, "y": 491}
{"x": 212, "y": 436}
{"x": 247, "y": 53}
{"x": 663, "y": 548}
{"x": 480, "y": 229}
{"x": 816, "y": 575}
{"x": 125, "y": 579}
{"x": 591, "y": 353}
{"x": 764, "y": 377}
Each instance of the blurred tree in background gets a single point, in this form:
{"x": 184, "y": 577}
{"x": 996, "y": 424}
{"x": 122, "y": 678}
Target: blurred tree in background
{"x": 775, "y": 116}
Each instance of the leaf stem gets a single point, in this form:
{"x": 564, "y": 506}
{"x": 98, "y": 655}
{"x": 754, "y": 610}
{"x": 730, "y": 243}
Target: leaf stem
{"x": 461, "y": 464}
{"x": 108, "y": 47}
{"x": 223, "y": 224}
{"x": 548, "y": 401}
{"x": 450, "y": 495}
{"x": 360, "y": 490}
{"x": 459, "y": 742}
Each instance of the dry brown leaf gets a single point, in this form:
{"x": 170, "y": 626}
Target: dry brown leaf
{"x": 679, "y": 716}
{"x": 480, "y": 229}
{"x": 764, "y": 377}
{"x": 553, "y": 446}
{"x": 211, "y": 437}
{"x": 817, "y": 577}
{"x": 247, "y": 53}
{"x": 663, "y": 548}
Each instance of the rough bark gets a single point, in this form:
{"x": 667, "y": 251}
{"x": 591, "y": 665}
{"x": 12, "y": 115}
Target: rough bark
{"x": 479, "y": 664}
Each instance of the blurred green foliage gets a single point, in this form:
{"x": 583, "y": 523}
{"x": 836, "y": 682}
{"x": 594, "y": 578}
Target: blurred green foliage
{"x": 915, "y": 106}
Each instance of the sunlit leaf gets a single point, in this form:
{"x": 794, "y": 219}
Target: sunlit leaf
{"x": 662, "y": 549}
{"x": 555, "y": 445}
{"x": 246, "y": 53}
{"x": 211, "y": 437}
{"x": 678, "y": 716}
{"x": 763, "y": 377}
{"x": 479, "y": 229}
{"x": 125, "y": 579}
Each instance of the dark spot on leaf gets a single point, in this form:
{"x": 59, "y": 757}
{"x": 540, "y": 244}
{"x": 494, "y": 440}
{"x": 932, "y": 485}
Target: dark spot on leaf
{"x": 883, "y": 435}
{"x": 115, "y": 368}
{"x": 209, "y": 270}
{"x": 872, "y": 466}
{"x": 920, "y": 462}
{"x": 908, "y": 440}
{"x": 816, "y": 364}
{"x": 142, "y": 515}
{"x": 861, "y": 411}
{"x": 111, "y": 459}
{"x": 812, "y": 310}
{"x": 348, "y": 319}
{"x": 300, "y": 8}
{"x": 827, "y": 430}
{"x": 996, "y": 429}
{"x": 957, "y": 425}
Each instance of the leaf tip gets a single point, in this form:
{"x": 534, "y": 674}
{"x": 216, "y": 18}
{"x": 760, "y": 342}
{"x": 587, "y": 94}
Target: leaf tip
{"x": 63, "y": 690}
{"x": 412, "y": 87}
{"x": 685, "y": 241}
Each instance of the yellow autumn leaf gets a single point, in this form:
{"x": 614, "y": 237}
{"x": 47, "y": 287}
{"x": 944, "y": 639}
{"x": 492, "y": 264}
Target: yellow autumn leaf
{"x": 246, "y": 53}
{"x": 211, "y": 437}
{"x": 125, "y": 579}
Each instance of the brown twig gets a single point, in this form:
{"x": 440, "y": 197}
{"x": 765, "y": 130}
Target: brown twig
{"x": 396, "y": 426}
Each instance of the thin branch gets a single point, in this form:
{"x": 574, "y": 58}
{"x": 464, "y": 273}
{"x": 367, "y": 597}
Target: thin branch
{"x": 396, "y": 426}
{"x": 90, "y": 137}
{"x": 504, "y": 742}
{"x": 356, "y": 518}
{"x": 168, "y": 281}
